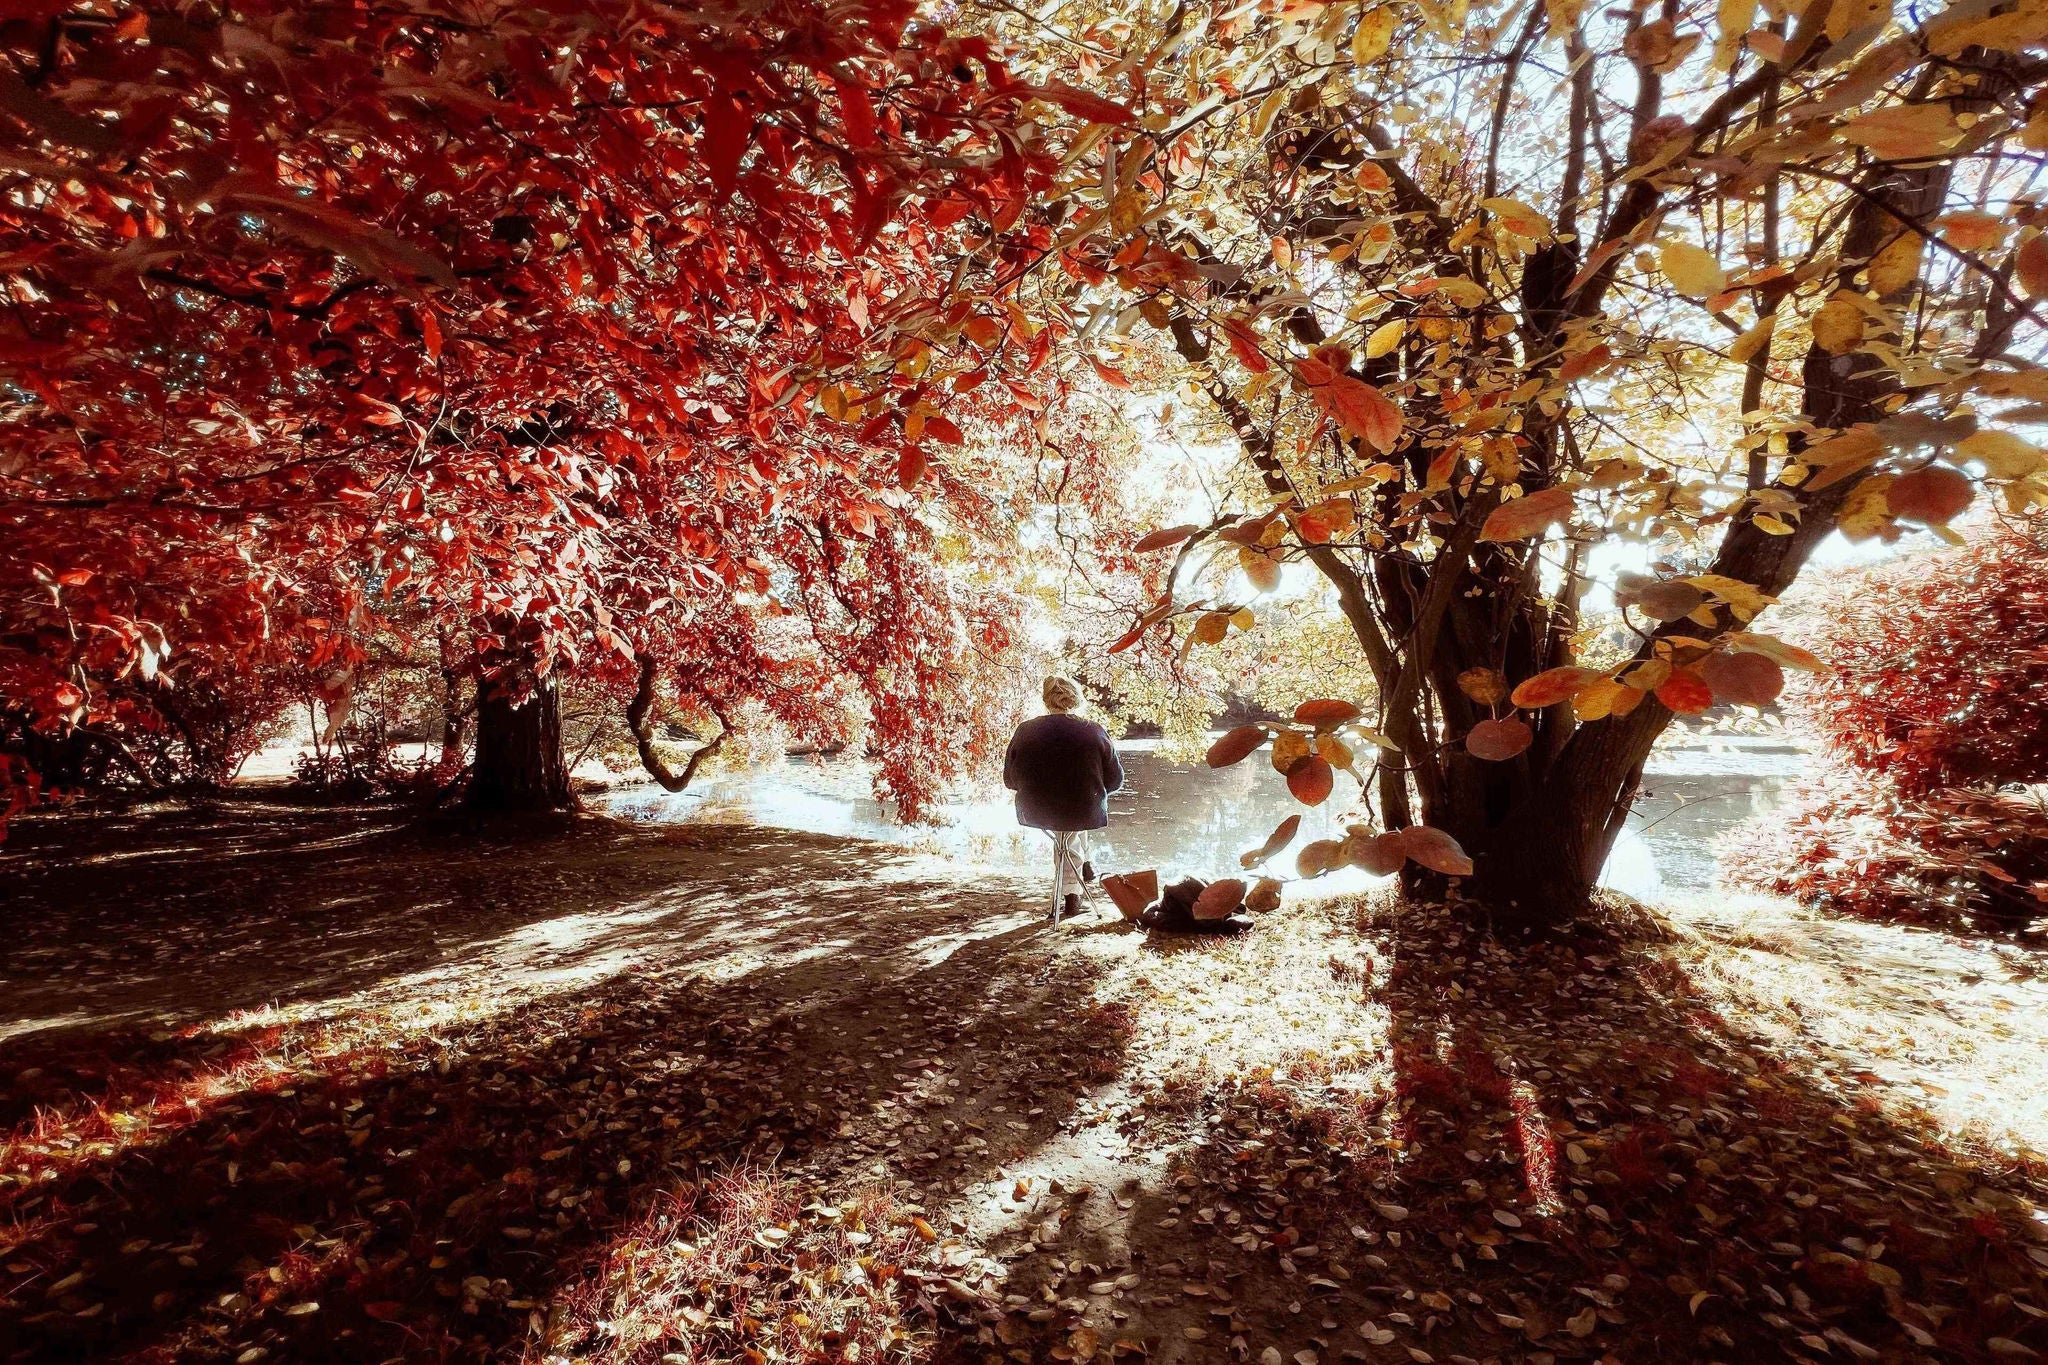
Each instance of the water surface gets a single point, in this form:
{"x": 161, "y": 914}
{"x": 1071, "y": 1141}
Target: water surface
{"x": 1185, "y": 819}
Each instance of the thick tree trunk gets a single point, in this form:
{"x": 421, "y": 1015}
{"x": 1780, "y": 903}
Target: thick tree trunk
{"x": 519, "y": 760}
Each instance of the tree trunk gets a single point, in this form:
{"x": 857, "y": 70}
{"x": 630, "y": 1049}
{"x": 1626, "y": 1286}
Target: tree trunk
{"x": 519, "y": 760}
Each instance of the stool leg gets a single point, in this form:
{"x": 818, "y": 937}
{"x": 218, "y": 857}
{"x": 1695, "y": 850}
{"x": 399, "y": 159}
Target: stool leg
{"x": 1062, "y": 846}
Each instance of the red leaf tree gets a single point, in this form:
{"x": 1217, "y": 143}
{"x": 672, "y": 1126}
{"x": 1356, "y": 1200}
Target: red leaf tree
{"x": 1934, "y": 711}
{"x": 563, "y": 330}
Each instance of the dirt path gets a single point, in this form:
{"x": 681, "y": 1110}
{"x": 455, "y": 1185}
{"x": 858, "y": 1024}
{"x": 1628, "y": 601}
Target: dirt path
{"x": 285, "y": 1085}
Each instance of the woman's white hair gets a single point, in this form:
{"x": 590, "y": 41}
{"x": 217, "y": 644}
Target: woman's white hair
{"x": 1061, "y": 694}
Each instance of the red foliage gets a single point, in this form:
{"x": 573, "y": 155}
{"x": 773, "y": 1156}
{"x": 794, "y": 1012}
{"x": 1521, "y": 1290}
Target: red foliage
{"x": 1937, "y": 664}
{"x": 1935, "y": 703}
{"x": 602, "y": 323}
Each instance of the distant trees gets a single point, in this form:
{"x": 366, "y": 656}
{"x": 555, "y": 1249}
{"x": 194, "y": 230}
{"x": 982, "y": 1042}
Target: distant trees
{"x": 1932, "y": 722}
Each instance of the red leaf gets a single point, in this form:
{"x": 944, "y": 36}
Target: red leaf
{"x": 942, "y": 430}
{"x": 858, "y": 113}
{"x": 1311, "y": 781}
{"x": 1159, "y": 540}
{"x": 1219, "y": 899}
{"x": 1497, "y": 741}
{"x": 1325, "y": 713}
{"x": 1235, "y": 745}
{"x": 1933, "y": 496}
{"x": 1244, "y": 344}
{"x": 910, "y": 466}
{"x": 727, "y": 128}
{"x": 1743, "y": 679}
{"x": 1079, "y": 103}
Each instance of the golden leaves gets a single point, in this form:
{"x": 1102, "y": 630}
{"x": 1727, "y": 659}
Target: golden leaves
{"x": 1838, "y": 326}
{"x": 1375, "y": 33}
{"x": 1692, "y": 270}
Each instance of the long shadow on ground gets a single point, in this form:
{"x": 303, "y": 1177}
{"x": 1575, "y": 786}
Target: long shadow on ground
{"x": 1567, "y": 1154}
{"x": 352, "y": 1184}
{"x": 1377, "y": 1135}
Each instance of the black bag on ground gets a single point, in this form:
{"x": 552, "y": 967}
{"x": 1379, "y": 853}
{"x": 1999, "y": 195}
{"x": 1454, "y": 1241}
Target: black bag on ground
{"x": 1175, "y": 913}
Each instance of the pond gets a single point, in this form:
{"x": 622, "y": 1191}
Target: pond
{"x": 1185, "y": 819}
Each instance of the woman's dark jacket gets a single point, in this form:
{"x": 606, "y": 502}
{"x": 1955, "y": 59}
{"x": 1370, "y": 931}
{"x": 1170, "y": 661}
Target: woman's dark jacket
{"x": 1063, "y": 769}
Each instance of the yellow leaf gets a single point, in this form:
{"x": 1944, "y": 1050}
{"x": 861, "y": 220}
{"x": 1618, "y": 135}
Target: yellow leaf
{"x": 1756, "y": 339}
{"x": 1745, "y": 599}
{"x": 2004, "y": 455}
{"x": 1384, "y": 338}
{"x": 1894, "y": 269}
{"x": 1289, "y": 748}
{"x": 1375, "y": 34}
{"x": 1734, "y": 20}
{"x": 1692, "y": 270}
{"x": 1865, "y": 513}
{"x": 1771, "y": 647}
{"x": 1517, "y": 217}
{"x": 1838, "y": 326}
{"x": 1597, "y": 701}
{"x": 2034, "y": 137}
{"x": 1846, "y": 16}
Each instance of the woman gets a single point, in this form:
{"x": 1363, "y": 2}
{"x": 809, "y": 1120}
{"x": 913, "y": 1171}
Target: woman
{"x": 1063, "y": 769}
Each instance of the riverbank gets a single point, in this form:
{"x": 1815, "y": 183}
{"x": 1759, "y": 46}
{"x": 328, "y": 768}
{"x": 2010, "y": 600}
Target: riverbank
{"x": 348, "y": 1089}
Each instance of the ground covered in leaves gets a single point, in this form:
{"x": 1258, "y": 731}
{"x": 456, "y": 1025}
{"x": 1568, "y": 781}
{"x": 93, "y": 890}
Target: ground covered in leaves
{"x": 281, "y": 1085}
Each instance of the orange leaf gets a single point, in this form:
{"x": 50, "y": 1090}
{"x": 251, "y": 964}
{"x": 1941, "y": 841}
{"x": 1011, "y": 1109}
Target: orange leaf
{"x": 1432, "y": 848}
{"x": 1281, "y": 837}
{"x": 1111, "y": 376}
{"x": 1132, "y": 892}
{"x": 1553, "y": 685}
{"x": 1528, "y": 516}
{"x": 1362, "y": 410}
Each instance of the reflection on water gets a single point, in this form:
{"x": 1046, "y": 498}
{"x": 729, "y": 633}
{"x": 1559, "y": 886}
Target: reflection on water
{"x": 1196, "y": 820}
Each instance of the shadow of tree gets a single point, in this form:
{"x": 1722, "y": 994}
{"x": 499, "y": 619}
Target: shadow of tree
{"x": 1556, "y": 1151}
{"x": 1575, "y": 1155}
{"x": 725, "y": 997}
